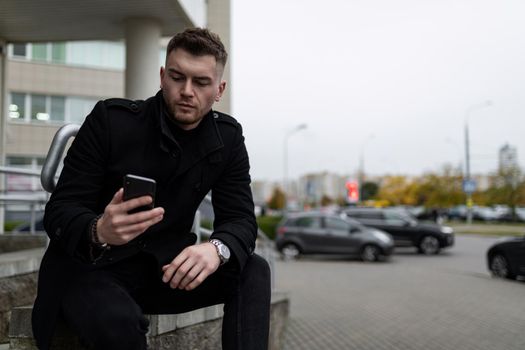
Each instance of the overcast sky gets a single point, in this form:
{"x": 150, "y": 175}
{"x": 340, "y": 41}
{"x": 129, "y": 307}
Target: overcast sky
{"x": 391, "y": 79}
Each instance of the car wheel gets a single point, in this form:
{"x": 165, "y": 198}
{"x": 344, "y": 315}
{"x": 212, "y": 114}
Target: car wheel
{"x": 429, "y": 245}
{"x": 370, "y": 253}
{"x": 499, "y": 267}
{"x": 290, "y": 251}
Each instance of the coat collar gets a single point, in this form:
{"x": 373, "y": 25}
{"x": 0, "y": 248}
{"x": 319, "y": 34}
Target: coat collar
{"x": 207, "y": 139}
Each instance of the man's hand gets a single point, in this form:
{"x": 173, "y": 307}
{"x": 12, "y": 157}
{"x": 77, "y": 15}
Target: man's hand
{"x": 117, "y": 227}
{"x": 192, "y": 266}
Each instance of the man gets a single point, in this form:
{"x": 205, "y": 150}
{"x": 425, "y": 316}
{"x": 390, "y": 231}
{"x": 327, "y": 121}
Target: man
{"x": 104, "y": 266}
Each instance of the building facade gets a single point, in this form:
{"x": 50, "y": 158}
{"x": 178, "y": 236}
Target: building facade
{"x": 49, "y": 84}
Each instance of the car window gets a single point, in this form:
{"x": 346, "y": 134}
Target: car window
{"x": 309, "y": 222}
{"x": 392, "y": 215}
{"x": 337, "y": 224}
{"x": 373, "y": 214}
{"x": 396, "y": 218}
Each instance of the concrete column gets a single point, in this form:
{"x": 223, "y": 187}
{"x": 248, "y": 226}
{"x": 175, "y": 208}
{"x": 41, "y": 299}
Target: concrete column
{"x": 219, "y": 14}
{"x": 142, "y": 58}
{"x": 3, "y": 121}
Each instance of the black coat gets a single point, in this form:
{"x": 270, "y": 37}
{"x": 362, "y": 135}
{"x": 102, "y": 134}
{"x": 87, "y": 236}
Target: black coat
{"x": 122, "y": 137}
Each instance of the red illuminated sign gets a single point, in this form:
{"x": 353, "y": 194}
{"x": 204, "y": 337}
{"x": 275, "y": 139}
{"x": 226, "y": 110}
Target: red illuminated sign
{"x": 352, "y": 188}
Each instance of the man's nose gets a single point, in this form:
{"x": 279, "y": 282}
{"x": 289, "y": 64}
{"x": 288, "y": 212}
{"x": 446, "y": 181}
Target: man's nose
{"x": 187, "y": 89}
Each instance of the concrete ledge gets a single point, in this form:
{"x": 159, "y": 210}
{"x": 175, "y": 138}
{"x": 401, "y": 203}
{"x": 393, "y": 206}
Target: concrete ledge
{"x": 20, "y": 262}
{"x": 11, "y": 242}
{"x": 199, "y": 329}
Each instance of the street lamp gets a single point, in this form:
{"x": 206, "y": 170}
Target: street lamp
{"x": 286, "y": 137}
{"x": 468, "y": 185}
{"x": 362, "y": 164}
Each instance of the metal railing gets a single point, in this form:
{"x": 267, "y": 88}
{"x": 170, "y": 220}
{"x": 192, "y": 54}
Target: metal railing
{"x": 34, "y": 199}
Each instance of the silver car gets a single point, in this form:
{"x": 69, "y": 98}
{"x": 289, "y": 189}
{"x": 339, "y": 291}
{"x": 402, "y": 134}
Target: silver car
{"x": 326, "y": 233}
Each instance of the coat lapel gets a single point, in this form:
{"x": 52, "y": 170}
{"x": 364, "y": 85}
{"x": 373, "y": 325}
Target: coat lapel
{"x": 207, "y": 141}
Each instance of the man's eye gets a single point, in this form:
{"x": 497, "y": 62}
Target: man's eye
{"x": 177, "y": 78}
{"x": 202, "y": 83}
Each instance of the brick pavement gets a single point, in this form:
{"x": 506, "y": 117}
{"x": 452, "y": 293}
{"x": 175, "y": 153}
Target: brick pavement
{"x": 412, "y": 302}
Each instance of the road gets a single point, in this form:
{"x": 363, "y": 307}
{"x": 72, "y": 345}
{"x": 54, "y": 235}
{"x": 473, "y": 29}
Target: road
{"x": 448, "y": 301}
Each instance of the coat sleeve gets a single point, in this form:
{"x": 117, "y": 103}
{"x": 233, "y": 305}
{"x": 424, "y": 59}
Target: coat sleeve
{"x": 233, "y": 206}
{"x": 75, "y": 201}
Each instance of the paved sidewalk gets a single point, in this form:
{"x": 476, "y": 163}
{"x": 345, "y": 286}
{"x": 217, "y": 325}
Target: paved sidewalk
{"x": 440, "y": 302}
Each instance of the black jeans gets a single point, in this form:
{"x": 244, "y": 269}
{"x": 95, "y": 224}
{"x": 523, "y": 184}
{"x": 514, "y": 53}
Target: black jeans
{"x": 105, "y": 307}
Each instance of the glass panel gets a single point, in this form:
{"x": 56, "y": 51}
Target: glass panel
{"x": 38, "y": 108}
{"x": 376, "y": 215}
{"x": 39, "y": 52}
{"x": 337, "y": 224}
{"x": 19, "y": 50}
{"x": 58, "y": 52}
{"x": 58, "y": 108}
{"x": 104, "y": 54}
{"x": 311, "y": 222}
{"x": 78, "y": 109}
{"x": 17, "y": 106}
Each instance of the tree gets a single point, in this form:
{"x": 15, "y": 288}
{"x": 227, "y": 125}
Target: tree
{"x": 397, "y": 190}
{"x": 326, "y": 200}
{"x": 442, "y": 189}
{"x": 507, "y": 187}
{"x": 369, "y": 190}
{"x": 277, "y": 200}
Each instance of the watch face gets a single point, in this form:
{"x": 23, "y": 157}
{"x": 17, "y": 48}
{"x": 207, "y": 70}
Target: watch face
{"x": 224, "y": 251}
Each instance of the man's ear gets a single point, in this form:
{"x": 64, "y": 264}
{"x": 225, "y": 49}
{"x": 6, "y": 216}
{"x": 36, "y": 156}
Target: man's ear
{"x": 222, "y": 87}
{"x": 161, "y": 75}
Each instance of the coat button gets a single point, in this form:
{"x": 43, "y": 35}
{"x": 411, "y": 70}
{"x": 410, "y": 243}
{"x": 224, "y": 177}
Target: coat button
{"x": 215, "y": 115}
{"x": 134, "y": 106}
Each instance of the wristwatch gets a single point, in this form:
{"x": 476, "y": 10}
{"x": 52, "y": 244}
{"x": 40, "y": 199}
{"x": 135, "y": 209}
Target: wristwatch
{"x": 222, "y": 250}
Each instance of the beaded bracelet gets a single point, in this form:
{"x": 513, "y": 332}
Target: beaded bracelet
{"x": 94, "y": 234}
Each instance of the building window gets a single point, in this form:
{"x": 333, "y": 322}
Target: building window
{"x": 17, "y": 106}
{"x": 35, "y": 108}
{"x": 96, "y": 54}
{"x": 58, "y": 108}
{"x": 39, "y": 52}
{"x": 38, "y": 108}
{"x": 19, "y": 50}
{"x": 58, "y": 52}
{"x": 78, "y": 108}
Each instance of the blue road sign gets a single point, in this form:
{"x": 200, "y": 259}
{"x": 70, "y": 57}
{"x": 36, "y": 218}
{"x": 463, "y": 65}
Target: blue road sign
{"x": 469, "y": 186}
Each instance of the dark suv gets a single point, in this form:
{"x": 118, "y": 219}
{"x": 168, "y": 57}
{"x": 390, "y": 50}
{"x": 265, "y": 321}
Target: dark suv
{"x": 324, "y": 233}
{"x": 429, "y": 238}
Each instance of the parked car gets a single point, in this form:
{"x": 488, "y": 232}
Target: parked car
{"x": 429, "y": 238}
{"x": 324, "y": 233}
{"x": 459, "y": 212}
{"x": 506, "y": 258}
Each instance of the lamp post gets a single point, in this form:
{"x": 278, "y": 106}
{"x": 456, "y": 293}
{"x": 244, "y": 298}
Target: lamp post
{"x": 362, "y": 165}
{"x": 468, "y": 185}
{"x": 286, "y": 137}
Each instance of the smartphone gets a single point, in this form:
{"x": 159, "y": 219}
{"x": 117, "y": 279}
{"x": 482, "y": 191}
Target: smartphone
{"x": 138, "y": 186}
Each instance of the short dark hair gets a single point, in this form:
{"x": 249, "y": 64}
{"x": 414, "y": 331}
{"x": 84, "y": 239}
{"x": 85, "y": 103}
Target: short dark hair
{"x": 199, "y": 42}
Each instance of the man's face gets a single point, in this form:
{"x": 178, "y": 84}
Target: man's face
{"x": 190, "y": 85}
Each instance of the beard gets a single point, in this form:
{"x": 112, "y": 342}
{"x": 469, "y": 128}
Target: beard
{"x": 182, "y": 116}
